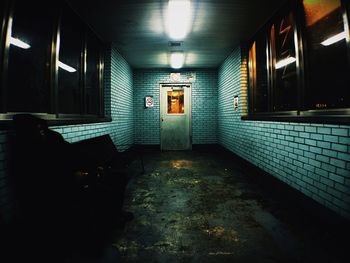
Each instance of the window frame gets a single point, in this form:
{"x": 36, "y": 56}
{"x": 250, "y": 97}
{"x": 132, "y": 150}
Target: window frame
{"x": 4, "y": 51}
{"x": 53, "y": 116}
{"x": 329, "y": 116}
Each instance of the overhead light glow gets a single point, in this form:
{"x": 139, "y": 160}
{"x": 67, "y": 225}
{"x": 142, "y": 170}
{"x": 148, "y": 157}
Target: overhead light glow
{"x": 178, "y": 18}
{"x": 177, "y": 60}
{"x": 66, "y": 67}
{"x": 334, "y": 39}
{"x": 19, "y": 43}
{"x": 285, "y": 62}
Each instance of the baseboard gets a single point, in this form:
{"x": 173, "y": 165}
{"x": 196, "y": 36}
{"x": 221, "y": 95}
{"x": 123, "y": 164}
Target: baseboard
{"x": 196, "y": 147}
{"x": 206, "y": 147}
{"x": 148, "y": 147}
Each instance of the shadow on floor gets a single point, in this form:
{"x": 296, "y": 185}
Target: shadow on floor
{"x": 23, "y": 242}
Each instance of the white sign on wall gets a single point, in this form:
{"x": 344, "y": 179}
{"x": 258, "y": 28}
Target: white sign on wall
{"x": 235, "y": 103}
{"x": 175, "y": 77}
{"x": 149, "y": 103}
{"x": 191, "y": 76}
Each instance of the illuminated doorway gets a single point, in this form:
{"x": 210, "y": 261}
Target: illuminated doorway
{"x": 175, "y": 117}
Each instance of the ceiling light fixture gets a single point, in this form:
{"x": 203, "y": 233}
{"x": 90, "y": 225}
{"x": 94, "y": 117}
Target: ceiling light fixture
{"x": 177, "y": 60}
{"x": 19, "y": 43}
{"x": 334, "y": 39}
{"x": 285, "y": 62}
{"x": 178, "y": 18}
{"x": 66, "y": 67}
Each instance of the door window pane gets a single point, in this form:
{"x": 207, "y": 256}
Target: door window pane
{"x": 29, "y": 57}
{"x": 286, "y": 85}
{"x": 70, "y": 56}
{"x": 176, "y": 102}
{"x": 327, "y": 71}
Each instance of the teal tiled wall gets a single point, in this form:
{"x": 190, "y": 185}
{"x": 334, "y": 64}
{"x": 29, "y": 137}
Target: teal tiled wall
{"x": 204, "y": 105}
{"x": 313, "y": 158}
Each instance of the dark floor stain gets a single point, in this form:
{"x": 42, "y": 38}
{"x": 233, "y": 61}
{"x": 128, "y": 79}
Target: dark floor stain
{"x": 200, "y": 207}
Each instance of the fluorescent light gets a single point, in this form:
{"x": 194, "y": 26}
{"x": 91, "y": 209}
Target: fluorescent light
{"x": 334, "y": 39}
{"x": 285, "y": 62}
{"x": 19, "y": 43}
{"x": 177, "y": 59}
{"x": 66, "y": 67}
{"x": 178, "y": 18}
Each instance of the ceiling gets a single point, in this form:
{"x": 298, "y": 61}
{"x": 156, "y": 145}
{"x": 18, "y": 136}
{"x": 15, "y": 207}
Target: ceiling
{"x": 137, "y": 28}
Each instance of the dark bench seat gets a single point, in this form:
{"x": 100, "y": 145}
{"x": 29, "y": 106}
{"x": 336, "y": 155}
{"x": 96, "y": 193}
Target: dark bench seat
{"x": 68, "y": 194}
{"x": 102, "y": 175}
{"x": 100, "y": 152}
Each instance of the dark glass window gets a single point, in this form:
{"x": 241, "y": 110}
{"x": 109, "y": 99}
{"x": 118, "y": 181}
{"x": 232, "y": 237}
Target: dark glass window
{"x": 29, "y": 57}
{"x": 3, "y": 8}
{"x": 327, "y": 68}
{"x": 92, "y": 81}
{"x": 307, "y": 63}
{"x": 258, "y": 74}
{"x": 3, "y": 11}
{"x": 50, "y": 61}
{"x": 70, "y": 63}
{"x": 285, "y": 95}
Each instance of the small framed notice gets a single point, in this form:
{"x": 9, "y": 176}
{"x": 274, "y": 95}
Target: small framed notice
{"x": 191, "y": 76}
{"x": 175, "y": 77}
{"x": 235, "y": 103}
{"x": 149, "y": 103}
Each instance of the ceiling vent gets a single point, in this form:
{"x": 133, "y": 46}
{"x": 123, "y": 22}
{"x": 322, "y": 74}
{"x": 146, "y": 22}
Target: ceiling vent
{"x": 175, "y": 43}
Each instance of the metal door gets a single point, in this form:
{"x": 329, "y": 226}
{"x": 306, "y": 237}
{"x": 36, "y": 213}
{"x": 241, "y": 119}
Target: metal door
{"x": 175, "y": 117}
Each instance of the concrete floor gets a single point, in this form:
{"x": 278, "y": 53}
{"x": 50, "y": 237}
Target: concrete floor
{"x": 202, "y": 206}
{"x": 208, "y": 206}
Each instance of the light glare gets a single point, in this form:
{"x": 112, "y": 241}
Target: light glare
{"x": 66, "y": 67}
{"x": 334, "y": 39}
{"x": 178, "y": 18}
{"x": 19, "y": 43}
{"x": 177, "y": 60}
{"x": 285, "y": 62}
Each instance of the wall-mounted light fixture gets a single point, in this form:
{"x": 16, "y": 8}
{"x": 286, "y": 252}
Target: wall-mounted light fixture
{"x": 177, "y": 59}
{"x": 19, "y": 43}
{"x": 285, "y": 62}
{"x": 334, "y": 39}
{"x": 178, "y": 18}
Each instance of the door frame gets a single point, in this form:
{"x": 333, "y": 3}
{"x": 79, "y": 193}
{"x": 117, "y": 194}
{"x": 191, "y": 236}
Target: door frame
{"x": 161, "y": 85}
